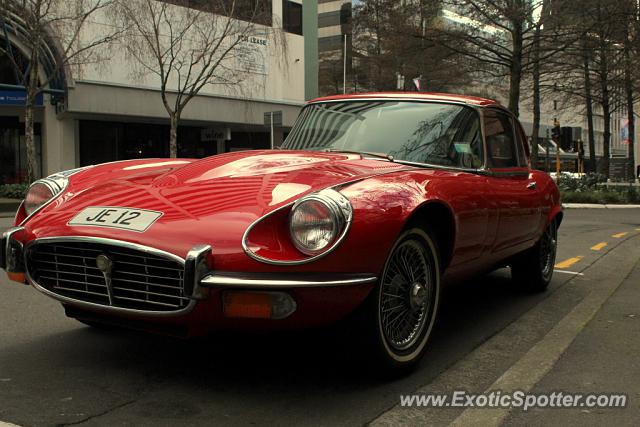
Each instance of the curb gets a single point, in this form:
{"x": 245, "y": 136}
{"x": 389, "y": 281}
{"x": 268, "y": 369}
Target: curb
{"x": 597, "y": 206}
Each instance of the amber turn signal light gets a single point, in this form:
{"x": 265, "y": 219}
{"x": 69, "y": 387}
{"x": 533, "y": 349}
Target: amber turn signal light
{"x": 17, "y": 277}
{"x": 257, "y": 305}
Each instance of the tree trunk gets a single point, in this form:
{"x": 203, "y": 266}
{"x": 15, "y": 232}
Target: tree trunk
{"x": 606, "y": 109}
{"x": 173, "y": 135}
{"x": 589, "y": 101}
{"x": 628, "y": 84}
{"x": 606, "y": 140}
{"x": 632, "y": 134}
{"x": 33, "y": 171}
{"x": 515, "y": 75}
{"x": 536, "y": 98}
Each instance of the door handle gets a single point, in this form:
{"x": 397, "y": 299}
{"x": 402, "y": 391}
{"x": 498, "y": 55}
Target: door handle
{"x": 532, "y": 185}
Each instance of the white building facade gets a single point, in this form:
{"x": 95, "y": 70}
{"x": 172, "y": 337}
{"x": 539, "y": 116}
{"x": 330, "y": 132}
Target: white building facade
{"x": 110, "y": 111}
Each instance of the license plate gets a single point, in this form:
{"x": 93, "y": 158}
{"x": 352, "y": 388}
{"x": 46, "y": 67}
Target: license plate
{"x": 124, "y": 218}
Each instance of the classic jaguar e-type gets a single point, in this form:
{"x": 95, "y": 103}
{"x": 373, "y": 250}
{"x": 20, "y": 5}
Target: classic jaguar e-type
{"x": 372, "y": 203}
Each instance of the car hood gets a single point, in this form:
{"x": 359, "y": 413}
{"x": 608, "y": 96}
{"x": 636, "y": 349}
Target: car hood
{"x": 213, "y": 199}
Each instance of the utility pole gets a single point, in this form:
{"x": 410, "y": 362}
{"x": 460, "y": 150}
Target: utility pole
{"x": 272, "y": 130}
{"x": 344, "y": 68}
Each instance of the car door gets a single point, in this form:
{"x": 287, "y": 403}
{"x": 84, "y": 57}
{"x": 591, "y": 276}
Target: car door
{"x": 513, "y": 191}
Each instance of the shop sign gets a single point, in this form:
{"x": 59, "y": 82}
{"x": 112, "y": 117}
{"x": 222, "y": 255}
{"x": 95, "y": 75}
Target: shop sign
{"x": 18, "y": 97}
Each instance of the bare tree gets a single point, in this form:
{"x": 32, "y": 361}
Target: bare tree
{"x": 592, "y": 68}
{"x": 44, "y": 26}
{"x": 535, "y": 75}
{"x": 501, "y": 35}
{"x": 394, "y": 38}
{"x": 495, "y": 33}
{"x": 331, "y": 74}
{"x": 190, "y": 45}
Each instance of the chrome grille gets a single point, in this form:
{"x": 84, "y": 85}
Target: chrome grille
{"x": 139, "y": 280}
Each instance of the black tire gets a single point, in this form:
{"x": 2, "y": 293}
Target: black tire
{"x": 533, "y": 269}
{"x": 400, "y": 312}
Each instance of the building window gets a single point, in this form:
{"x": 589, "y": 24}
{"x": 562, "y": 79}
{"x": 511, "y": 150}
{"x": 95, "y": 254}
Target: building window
{"x": 292, "y": 17}
{"x": 245, "y": 10}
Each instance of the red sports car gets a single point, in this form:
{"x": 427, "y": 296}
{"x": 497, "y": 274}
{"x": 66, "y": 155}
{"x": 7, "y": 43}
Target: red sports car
{"x": 372, "y": 204}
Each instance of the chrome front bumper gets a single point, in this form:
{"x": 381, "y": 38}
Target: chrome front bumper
{"x": 275, "y": 281}
{"x": 198, "y": 278}
{"x": 11, "y": 252}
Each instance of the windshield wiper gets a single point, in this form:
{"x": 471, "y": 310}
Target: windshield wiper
{"x": 363, "y": 153}
{"x": 443, "y": 167}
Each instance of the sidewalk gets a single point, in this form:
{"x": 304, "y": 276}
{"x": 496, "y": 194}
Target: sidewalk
{"x": 603, "y": 358}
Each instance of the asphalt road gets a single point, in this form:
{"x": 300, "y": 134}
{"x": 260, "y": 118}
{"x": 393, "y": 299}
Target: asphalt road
{"x": 56, "y": 371}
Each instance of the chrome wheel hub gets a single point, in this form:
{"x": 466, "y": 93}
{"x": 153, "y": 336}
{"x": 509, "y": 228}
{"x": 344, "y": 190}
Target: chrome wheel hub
{"x": 418, "y": 296}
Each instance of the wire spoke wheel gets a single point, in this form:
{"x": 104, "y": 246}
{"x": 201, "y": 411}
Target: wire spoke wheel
{"x": 407, "y": 295}
{"x": 548, "y": 247}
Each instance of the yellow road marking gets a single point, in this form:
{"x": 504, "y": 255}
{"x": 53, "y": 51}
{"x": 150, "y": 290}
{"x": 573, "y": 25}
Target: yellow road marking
{"x": 568, "y": 262}
{"x": 598, "y": 246}
{"x": 619, "y": 235}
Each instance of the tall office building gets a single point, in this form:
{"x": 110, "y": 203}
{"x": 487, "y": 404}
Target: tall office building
{"x": 334, "y": 29}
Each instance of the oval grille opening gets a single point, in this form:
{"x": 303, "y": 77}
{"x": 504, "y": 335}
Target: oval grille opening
{"x": 128, "y": 278}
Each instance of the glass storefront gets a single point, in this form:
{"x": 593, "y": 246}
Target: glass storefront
{"x": 108, "y": 141}
{"x": 102, "y": 141}
{"x": 13, "y": 151}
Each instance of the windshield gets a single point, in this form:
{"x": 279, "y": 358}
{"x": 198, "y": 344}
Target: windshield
{"x": 435, "y": 133}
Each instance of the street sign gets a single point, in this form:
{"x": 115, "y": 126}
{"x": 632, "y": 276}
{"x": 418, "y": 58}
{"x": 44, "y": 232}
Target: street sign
{"x": 277, "y": 118}
{"x": 215, "y": 134}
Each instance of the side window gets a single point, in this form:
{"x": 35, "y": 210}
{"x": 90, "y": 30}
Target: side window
{"x": 467, "y": 141}
{"x": 501, "y": 147}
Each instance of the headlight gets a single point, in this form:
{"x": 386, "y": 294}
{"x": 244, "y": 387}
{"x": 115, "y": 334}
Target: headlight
{"x": 39, "y": 193}
{"x": 44, "y": 190}
{"x": 318, "y": 221}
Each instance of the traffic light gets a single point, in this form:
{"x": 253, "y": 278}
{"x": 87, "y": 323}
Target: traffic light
{"x": 555, "y": 131}
{"x": 566, "y": 138}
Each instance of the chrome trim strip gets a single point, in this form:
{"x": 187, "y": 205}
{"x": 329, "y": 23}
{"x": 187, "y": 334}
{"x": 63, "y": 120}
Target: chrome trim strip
{"x": 396, "y": 98}
{"x": 251, "y": 254}
{"x": 100, "y": 307}
{"x": 195, "y": 268}
{"x": 499, "y": 173}
{"x": 106, "y": 241}
{"x": 275, "y": 281}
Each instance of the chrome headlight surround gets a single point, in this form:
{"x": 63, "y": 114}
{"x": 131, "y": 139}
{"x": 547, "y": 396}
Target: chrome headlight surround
{"x": 55, "y": 184}
{"x": 338, "y": 217}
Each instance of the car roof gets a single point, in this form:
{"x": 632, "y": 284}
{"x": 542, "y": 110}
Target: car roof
{"x": 422, "y": 96}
